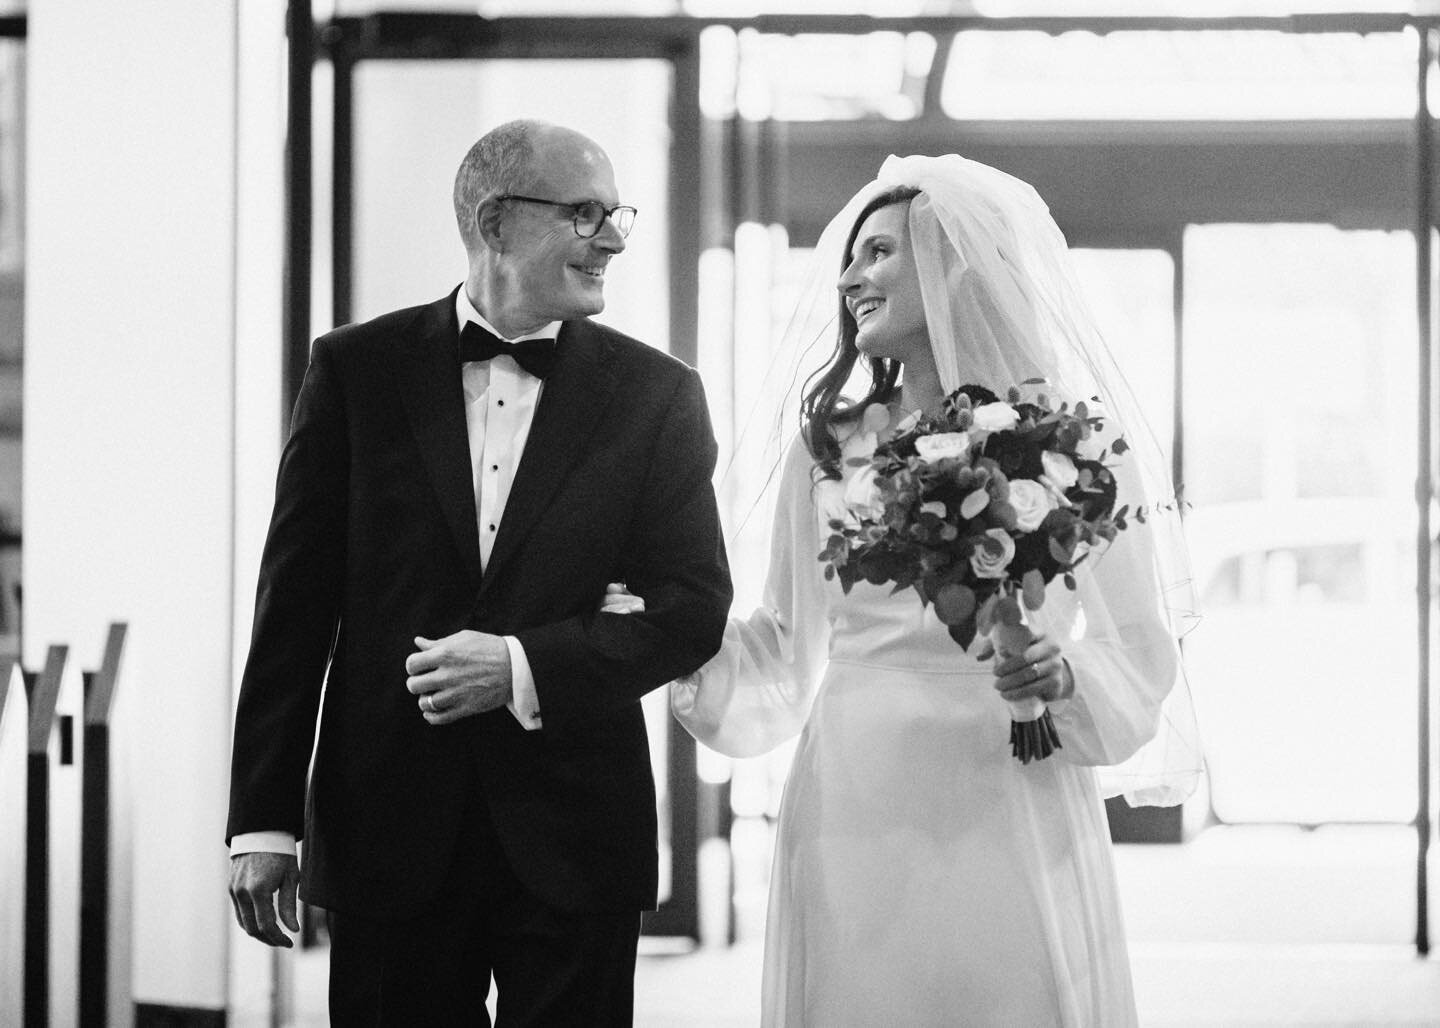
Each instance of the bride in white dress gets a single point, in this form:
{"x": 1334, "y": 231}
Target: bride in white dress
{"x": 922, "y": 875}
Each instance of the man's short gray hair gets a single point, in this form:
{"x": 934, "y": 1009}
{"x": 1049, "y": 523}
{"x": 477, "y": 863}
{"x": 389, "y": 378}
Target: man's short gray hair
{"x": 498, "y": 163}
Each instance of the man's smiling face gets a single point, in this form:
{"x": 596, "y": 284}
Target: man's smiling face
{"x": 551, "y": 273}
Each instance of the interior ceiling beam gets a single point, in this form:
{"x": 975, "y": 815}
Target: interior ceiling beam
{"x": 411, "y": 34}
{"x": 1146, "y": 176}
{"x": 405, "y": 35}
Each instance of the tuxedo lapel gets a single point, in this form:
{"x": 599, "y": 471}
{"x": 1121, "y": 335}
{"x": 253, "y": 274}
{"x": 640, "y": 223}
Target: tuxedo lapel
{"x": 575, "y": 395}
{"x": 429, "y": 379}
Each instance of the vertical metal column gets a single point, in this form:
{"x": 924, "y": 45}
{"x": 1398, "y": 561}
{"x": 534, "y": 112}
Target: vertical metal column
{"x": 299, "y": 231}
{"x": 685, "y": 216}
{"x": 342, "y": 186}
{"x": 96, "y": 862}
{"x": 680, "y": 914}
{"x": 1177, "y": 372}
{"x": 1424, "y": 483}
{"x": 46, "y": 730}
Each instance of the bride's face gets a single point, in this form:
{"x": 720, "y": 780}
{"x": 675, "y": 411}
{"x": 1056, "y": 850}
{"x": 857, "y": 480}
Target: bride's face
{"x": 882, "y": 288}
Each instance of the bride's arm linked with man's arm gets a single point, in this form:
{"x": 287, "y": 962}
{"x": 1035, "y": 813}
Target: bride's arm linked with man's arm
{"x": 756, "y": 692}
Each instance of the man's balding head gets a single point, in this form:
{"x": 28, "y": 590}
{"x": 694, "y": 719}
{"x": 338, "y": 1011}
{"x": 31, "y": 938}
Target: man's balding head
{"x": 509, "y": 159}
{"x": 529, "y": 263}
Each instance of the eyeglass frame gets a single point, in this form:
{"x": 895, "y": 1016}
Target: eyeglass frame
{"x": 574, "y": 209}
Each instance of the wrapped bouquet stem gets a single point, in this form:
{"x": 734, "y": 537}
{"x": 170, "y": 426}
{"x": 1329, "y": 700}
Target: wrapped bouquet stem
{"x": 1032, "y": 730}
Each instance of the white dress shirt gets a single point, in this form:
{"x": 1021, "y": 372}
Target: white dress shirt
{"x": 500, "y": 402}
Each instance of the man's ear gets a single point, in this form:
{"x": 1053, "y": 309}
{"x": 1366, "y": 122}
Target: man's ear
{"x": 489, "y": 222}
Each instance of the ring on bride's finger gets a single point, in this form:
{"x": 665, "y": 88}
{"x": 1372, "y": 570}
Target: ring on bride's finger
{"x": 427, "y": 703}
{"x": 1035, "y": 671}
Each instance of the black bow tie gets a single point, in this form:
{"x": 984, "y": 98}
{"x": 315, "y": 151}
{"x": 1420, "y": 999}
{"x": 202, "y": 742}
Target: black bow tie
{"x": 536, "y": 356}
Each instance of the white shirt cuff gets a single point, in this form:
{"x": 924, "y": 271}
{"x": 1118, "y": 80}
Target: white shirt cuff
{"x": 263, "y": 842}
{"x": 524, "y": 703}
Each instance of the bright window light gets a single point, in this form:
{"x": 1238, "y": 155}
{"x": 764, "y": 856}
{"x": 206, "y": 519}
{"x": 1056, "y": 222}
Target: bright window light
{"x": 1183, "y": 8}
{"x": 753, "y": 8}
{"x": 1180, "y": 75}
{"x": 835, "y": 77}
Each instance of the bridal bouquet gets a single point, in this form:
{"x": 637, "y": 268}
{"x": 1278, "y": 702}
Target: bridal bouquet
{"x": 977, "y": 509}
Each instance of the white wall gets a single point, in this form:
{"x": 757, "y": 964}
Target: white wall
{"x": 130, "y": 399}
{"x": 259, "y": 260}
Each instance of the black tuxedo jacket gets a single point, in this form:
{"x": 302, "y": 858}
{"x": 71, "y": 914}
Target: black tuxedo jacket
{"x": 373, "y": 541}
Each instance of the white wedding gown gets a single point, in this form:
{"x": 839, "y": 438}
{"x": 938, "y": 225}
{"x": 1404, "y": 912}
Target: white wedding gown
{"x": 922, "y": 875}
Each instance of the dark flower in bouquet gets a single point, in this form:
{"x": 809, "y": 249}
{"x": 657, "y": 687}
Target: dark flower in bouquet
{"x": 977, "y": 509}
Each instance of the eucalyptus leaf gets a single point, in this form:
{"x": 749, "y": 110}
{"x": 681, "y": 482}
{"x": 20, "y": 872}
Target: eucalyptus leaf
{"x": 955, "y": 603}
{"x": 1032, "y": 586}
{"x": 985, "y": 616}
{"x": 875, "y": 418}
{"x": 1003, "y": 512}
{"x": 974, "y": 503}
{"x": 964, "y": 634}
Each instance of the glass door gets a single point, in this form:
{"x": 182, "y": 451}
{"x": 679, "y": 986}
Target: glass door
{"x": 1300, "y": 450}
{"x": 1299, "y": 454}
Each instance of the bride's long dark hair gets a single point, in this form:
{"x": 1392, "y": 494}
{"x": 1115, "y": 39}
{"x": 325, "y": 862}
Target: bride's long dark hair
{"x": 825, "y": 404}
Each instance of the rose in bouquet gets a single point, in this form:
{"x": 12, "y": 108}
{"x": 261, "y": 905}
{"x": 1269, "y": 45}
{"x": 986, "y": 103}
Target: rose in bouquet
{"x": 977, "y": 509}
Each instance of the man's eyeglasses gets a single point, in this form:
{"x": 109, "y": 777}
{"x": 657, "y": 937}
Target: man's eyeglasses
{"x": 588, "y": 216}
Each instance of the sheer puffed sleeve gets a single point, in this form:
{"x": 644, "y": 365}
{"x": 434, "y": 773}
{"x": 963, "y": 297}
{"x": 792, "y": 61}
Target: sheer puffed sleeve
{"x": 1113, "y": 633}
{"x": 756, "y": 692}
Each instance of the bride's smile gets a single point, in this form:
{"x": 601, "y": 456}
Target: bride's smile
{"x": 882, "y": 289}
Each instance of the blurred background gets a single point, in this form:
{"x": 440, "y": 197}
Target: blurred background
{"x": 190, "y": 192}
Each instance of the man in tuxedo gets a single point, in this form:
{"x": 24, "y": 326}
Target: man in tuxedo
{"x": 461, "y": 481}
